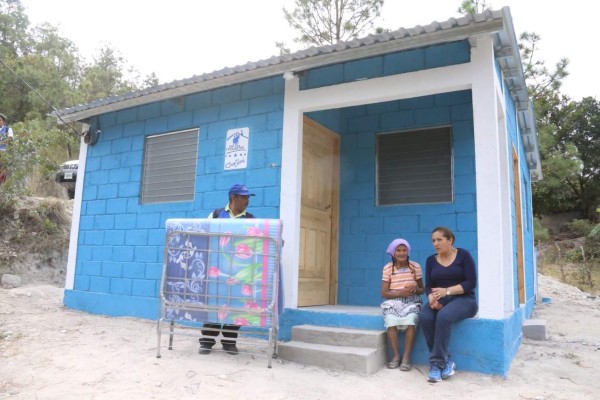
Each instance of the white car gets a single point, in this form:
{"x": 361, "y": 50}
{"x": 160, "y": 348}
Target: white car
{"x": 67, "y": 176}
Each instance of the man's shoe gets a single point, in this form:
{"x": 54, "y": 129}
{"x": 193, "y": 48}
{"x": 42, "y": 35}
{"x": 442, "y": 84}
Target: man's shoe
{"x": 204, "y": 349}
{"x": 230, "y": 348}
{"x": 448, "y": 371}
{"x": 435, "y": 374}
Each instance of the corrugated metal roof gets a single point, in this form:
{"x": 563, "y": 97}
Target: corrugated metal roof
{"x": 371, "y": 45}
{"x": 496, "y": 22}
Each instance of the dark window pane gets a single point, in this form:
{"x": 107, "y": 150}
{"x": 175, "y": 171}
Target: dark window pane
{"x": 414, "y": 167}
{"x": 170, "y": 167}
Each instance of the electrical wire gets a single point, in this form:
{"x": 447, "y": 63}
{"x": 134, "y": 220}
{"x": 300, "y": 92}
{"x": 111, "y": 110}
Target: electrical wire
{"x": 41, "y": 97}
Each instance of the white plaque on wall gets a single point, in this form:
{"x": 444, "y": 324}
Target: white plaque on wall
{"x": 236, "y": 148}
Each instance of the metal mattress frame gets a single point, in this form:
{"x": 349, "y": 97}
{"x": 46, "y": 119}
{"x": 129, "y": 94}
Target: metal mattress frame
{"x": 221, "y": 277}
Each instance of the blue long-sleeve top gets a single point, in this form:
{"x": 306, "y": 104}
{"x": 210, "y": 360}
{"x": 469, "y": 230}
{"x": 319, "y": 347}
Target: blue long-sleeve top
{"x": 461, "y": 272}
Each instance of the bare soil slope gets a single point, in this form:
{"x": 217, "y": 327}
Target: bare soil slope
{"x": 34, "y": 239}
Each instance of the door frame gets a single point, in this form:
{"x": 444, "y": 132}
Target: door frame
{"x": 518, "y": 226}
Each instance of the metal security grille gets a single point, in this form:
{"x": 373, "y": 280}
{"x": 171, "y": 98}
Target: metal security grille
{"x": 414, "y": 167}
{"x": 170, "y": 167}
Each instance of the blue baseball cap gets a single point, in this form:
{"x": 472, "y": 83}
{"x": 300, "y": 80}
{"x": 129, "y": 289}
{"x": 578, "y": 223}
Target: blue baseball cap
{"x": 241, "y": 190}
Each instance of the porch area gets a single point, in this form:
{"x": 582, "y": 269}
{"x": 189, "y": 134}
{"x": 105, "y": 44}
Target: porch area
{"x": 477, "y": 344}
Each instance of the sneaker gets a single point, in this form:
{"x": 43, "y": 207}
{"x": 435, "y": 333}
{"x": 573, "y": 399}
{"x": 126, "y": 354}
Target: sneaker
{"x": 448, "y": 370}
{"x": 435, "y": 374}
{"x": 204, "y": 349}
{"x": 230, "y": 348}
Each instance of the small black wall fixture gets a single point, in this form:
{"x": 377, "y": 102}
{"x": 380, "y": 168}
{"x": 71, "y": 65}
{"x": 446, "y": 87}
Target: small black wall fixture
{"x": 91, "y": 136}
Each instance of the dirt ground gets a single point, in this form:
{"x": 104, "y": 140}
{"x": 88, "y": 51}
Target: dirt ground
{"x": 50, "y": 352}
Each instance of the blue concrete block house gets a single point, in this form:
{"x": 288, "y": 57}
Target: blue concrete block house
{"x": 351, "y": 146}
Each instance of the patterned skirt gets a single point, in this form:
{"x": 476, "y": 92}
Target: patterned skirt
{"x": 401, "y": 311}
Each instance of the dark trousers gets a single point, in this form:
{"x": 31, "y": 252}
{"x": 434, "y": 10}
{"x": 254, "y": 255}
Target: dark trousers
{"x": 208, "y": 336}
{"x": 437, "y": 326}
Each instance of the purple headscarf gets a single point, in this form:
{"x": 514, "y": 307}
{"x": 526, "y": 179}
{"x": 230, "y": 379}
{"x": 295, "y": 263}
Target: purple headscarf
{"x": 395, "y": 243}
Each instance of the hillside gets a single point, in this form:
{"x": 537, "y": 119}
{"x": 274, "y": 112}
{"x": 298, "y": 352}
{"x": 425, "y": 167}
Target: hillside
{"x": 34, "y": 239}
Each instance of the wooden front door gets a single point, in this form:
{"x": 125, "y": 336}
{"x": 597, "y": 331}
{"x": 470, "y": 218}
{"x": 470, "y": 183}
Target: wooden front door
{"x": 519, "y": 218}
{"x": 317, "y": 276}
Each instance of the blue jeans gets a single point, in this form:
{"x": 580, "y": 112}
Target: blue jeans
{"x": 437, "y": 325}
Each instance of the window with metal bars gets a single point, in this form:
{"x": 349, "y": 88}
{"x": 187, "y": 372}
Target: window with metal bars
{"x": 169, "y": 170}
{"x": 414, "y": 167}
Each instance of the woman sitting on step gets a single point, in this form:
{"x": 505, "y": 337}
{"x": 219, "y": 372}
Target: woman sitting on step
{"x": 451, "y": 279}
{"x": 402, "y": 284}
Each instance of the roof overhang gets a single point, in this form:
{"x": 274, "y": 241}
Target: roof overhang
{"x": 509, "y": 58}
{"x": 496, "y": 23}
{"x": 370, "y": 46}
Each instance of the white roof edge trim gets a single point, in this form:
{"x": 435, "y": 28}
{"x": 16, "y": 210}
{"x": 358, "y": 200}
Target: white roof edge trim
{"x": 529, "y": 114}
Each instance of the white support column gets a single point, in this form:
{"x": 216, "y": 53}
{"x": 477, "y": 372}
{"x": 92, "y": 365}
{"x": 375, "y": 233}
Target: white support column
{"x": 493, "y": 218}
{"x": 291, "y": 190}
{"x": 507, "y": 207}
{"x": 74, "y": 238}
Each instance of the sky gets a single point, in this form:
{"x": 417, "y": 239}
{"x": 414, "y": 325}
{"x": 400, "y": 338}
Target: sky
{"x": 178, "y": 39}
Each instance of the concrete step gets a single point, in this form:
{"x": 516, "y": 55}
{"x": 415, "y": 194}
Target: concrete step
{"x": 361, "y": 360}
{"x": 339, "y": 336}
{"x": 356, "y": 350}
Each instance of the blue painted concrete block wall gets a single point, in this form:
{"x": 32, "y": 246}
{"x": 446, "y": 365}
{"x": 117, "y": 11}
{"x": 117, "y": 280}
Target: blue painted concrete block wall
{"x": 389, "y": 64}
{"x": 365, "y": 228}
{"x": 121, "y": 242}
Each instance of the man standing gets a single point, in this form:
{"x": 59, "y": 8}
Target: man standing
{"x": 239, "y": 199}
{"x": 6, "y": 134}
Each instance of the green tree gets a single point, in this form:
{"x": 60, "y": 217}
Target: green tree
{"x": 473, "y": 7}
{"x": 561, "y": 189}
{"x": 104, "y": 76}
{"x": 62, "y": 65}
{"x": 323, "y": 22}
{"x": 13, "y": 44}
{"x": 34, "y": 149}
{"x": 564, "y": 128}
{"x": 107, "y": 76}
{"x": 40, "y": 71}
{"x": 582, "y": 131}
{"x": 560, "y": 161}
{"x": 13, "y": 28}
{"x": 541, "y": 81}
{"x": 45, "y": 76}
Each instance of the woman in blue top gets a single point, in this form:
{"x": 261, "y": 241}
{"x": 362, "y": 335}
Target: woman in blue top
{"x": 450, "y": 280}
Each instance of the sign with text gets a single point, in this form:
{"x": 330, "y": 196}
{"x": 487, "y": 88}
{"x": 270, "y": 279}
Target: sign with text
{"x": 236, "y": 148}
